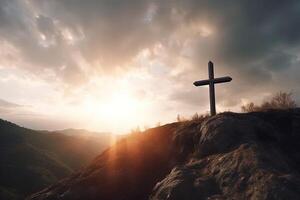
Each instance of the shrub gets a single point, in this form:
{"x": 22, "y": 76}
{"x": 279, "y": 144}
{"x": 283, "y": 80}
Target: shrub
{"x": 250, "y": 107}
{"x": 136, "y": 130}
{"x": 158, "y": 124}
{"x": 196, "y": 116}
{"x": 281, "y": 100}
{"x": 180, "y": 119}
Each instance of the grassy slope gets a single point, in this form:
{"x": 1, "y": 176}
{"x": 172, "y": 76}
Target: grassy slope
{"x": 31, "y": 160}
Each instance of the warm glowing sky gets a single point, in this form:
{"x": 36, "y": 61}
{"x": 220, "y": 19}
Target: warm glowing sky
{"x": 112, "y": 65}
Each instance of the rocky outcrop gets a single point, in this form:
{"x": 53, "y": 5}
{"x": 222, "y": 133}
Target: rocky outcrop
{"x": 228, "y": 156}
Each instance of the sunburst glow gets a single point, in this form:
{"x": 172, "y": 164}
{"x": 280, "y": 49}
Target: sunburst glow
{"x": 120, "y": 109}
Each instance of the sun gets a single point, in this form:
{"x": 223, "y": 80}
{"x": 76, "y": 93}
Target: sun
{"x": 120, "y": 106}
{"x": 118, "y": 110}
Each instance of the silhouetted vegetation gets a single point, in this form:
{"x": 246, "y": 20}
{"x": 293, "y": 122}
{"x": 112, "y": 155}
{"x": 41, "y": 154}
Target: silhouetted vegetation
{"x": 197, "y": 117}
{"x": 194, "y": 117}
{"x": 180, "y": 118}
{"x": 135, "y": 130}
{"x": 281, "y": 100}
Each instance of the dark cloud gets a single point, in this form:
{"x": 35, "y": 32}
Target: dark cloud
{"x": 46, "y": 26}
{"x": 248, "y": 31}
{"x": 39, "y": 43}
{"x": 114, "y": 31}
{"x": 279, "y": 61}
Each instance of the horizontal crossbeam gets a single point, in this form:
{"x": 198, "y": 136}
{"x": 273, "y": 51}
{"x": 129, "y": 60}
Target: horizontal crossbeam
{"x": 215, "y": 80}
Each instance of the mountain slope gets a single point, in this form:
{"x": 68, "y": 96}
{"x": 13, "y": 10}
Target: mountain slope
{"x": 31, "y": 160}
{"x": 228, "y": 156}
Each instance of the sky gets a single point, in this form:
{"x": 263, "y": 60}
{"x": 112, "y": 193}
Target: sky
{"x": 113, "y": 65}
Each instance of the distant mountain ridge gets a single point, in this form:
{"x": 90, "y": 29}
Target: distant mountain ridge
{"x": 80, "y": 132}
{"x": 224, "y": 157}
{"x": 31, "y": 160}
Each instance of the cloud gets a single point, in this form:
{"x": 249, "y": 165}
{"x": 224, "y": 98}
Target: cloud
{"x": 7, "y": 107}
{"x": 7, "y": 104}
{"x": 73, "y": 41}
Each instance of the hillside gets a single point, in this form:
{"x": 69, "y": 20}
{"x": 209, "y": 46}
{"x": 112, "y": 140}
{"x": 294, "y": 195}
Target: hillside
{"x": 31, "y": 160}
{"x": 228, "y": 156}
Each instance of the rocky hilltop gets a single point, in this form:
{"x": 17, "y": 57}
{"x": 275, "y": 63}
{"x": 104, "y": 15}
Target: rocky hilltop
{"x": 228, "y": 156}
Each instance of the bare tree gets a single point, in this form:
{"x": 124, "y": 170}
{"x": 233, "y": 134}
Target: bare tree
{"x": 250, "y": 107}
{"x": 281, "y": 100}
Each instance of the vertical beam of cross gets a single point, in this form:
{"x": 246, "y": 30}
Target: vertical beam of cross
{"x": 211, "y": 88}
{"x": 211, "y": 82}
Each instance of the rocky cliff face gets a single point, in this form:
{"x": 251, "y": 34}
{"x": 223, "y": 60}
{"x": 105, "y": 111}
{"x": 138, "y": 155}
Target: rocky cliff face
{"x": 228, "y": 156}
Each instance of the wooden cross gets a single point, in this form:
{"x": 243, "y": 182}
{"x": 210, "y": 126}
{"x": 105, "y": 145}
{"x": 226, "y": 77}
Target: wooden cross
{"x": 211, "y": 82}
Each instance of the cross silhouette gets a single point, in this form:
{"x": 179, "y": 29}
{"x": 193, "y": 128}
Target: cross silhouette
{"x": 211, "y": 82}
